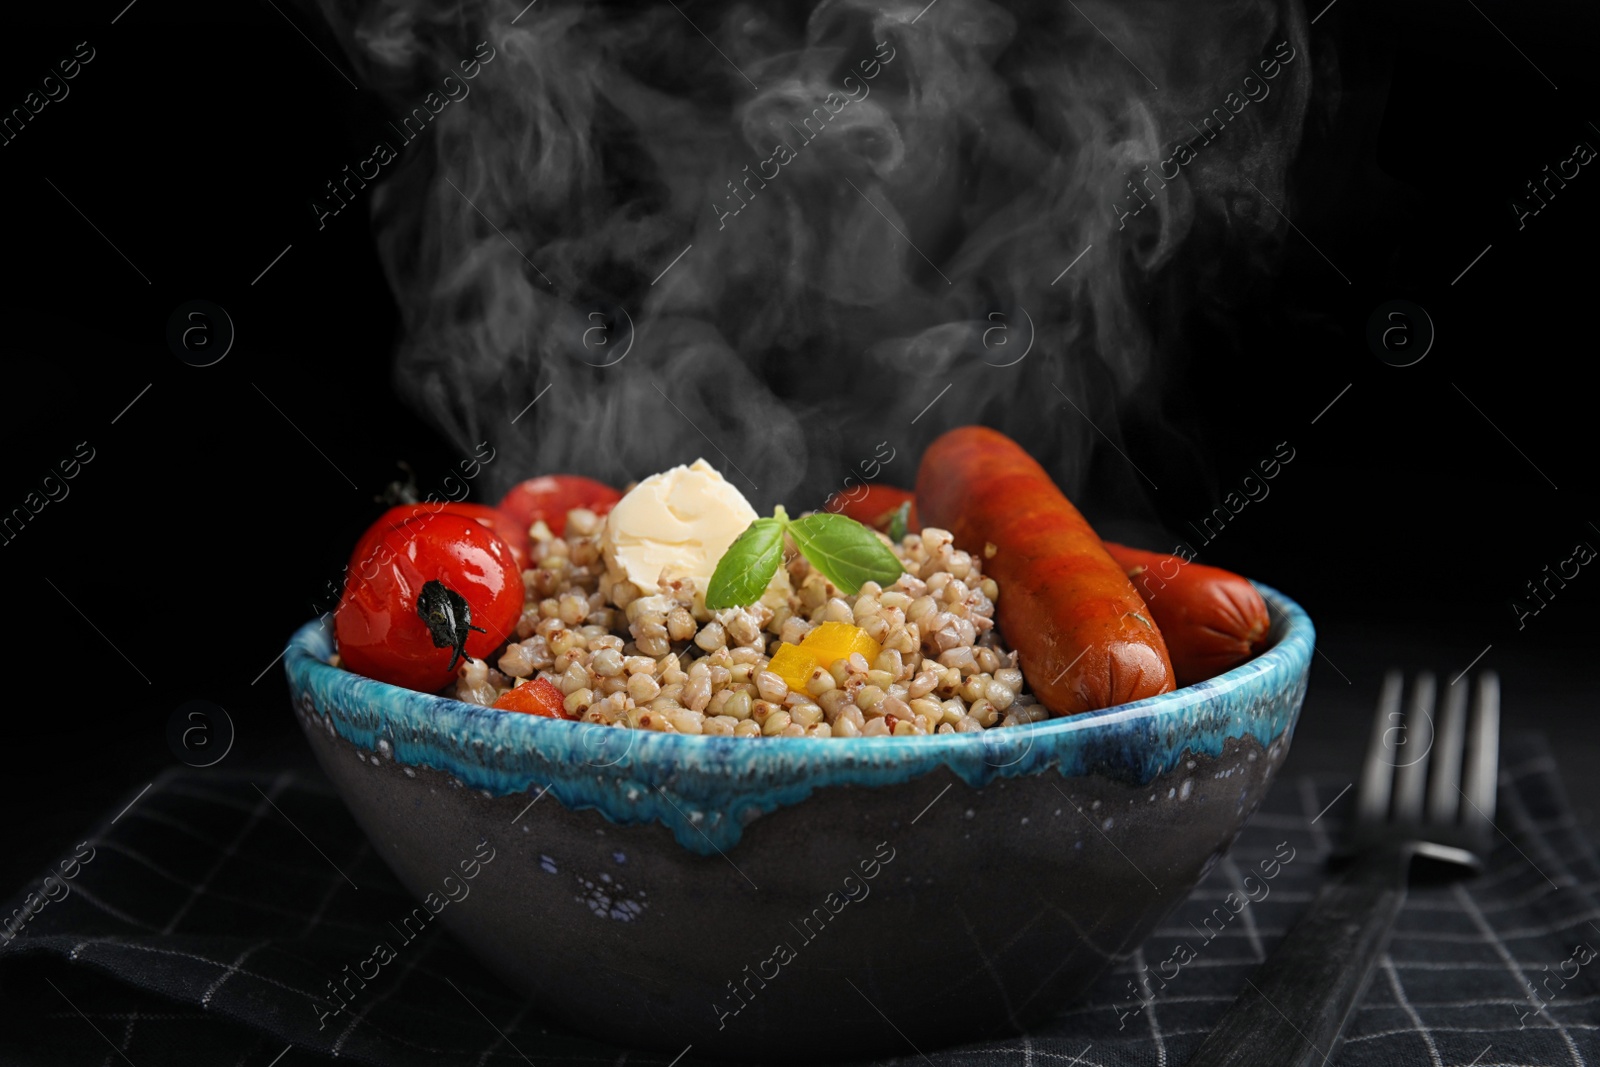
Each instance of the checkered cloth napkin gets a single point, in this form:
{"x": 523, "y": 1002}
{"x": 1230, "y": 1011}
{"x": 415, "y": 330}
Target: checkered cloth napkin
{"x": 198, "y": 923}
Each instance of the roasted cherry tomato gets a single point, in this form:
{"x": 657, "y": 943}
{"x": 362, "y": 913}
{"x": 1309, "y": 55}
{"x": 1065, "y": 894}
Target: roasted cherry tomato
{"x": 535, "y": 697}
{"x": 437, "y": 587}
{"x": 493, "y": 518}
{"x": 874, "y": 505}
{"x": 551, "y": 496}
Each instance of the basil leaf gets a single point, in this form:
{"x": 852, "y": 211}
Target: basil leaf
{"x": 897, "y": 522}
{"x": 745, "y": 570}
{"x": 846, "y": 552}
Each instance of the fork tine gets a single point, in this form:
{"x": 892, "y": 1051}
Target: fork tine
{"x": 1416, "y": 743}
{"x": 1377, "y": 772}
{"x": 1444, "y": 779}
{"x": 1483, "y": 759}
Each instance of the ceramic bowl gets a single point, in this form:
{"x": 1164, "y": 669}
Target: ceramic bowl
{"x": 805, "y": 898}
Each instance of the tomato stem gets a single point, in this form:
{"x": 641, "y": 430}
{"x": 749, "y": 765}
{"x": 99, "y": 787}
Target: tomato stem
{"x": 448, "y": 617}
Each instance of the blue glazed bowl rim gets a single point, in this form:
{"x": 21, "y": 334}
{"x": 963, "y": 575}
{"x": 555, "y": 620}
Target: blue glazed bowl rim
{"x": 309, "y": 648}
{"x": 722, "y": 783}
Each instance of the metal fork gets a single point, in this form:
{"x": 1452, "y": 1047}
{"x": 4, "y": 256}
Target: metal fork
{"x": 1425, "y": 794}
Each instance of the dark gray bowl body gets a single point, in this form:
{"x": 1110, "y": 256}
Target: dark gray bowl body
{"x": 797, "y": 898}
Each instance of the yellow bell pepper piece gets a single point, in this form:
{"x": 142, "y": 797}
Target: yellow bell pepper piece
{"x": 837, "y": 640}
{"x": 794, "y": 665}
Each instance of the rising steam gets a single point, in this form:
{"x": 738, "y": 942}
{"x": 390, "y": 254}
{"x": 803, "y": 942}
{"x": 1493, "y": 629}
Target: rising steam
{"x": 911, "y": 228}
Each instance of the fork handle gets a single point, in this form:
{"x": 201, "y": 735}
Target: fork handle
{"x": 1294, "y": 1012}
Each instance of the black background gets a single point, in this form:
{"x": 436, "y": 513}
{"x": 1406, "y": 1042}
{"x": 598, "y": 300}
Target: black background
{"x": 218, "y": 507}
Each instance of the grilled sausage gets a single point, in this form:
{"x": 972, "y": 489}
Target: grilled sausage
{"x": 1212, "y": 619}
{"x": 1083, "y": 636}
